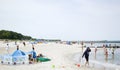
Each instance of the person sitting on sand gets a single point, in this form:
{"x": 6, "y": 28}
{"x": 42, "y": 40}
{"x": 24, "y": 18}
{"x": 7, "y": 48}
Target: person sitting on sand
{"x": 40, "y": 55}
{"x": 86, "y": 54}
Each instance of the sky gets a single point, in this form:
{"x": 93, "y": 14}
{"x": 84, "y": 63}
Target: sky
{"x": 62, "y": 19}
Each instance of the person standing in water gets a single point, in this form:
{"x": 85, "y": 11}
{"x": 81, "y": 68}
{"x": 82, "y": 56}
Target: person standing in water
{"x": 86, "y": 54}
{"x": 95, "y": 51}
{"x": 106, "y": 54}
{"x": 113, "y": 50}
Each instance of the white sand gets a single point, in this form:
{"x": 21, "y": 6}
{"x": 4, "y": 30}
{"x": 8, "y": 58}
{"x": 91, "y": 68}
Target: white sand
{"x": 60, "y": 55}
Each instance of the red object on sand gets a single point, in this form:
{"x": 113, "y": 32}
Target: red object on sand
{"x": 78, "y": 65}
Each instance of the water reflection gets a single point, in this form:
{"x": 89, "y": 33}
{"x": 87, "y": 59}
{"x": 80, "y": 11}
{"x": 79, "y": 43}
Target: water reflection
{"x": 106, "y": 56}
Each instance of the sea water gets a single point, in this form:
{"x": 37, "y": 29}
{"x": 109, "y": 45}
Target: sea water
{"x": 112, "y": 60}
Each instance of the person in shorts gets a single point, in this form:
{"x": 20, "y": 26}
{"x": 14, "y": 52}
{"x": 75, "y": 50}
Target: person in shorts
{"x": 34, "y": 55}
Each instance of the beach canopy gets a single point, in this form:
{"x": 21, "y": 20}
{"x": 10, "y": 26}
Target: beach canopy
{"x": 19, "y": 57}
{"x": 18, "y": 53}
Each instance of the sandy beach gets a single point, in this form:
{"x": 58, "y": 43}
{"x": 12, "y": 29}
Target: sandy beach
{"x": 61, "y": 56}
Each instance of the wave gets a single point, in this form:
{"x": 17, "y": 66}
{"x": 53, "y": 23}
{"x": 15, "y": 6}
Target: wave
{"x": 108, "y": 65}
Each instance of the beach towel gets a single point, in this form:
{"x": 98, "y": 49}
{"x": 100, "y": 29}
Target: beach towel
{"x": 42, "y": 59}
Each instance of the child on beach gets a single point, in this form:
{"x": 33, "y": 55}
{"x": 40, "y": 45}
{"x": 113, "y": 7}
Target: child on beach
{"x": 86, "y": 54}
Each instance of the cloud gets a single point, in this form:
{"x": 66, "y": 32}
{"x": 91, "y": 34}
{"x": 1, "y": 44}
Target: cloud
{"x": 64, "y": 19}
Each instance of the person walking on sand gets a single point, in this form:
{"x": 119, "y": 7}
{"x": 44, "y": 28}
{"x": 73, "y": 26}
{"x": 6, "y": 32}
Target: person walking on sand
{"x": 82, "y": 46}
{"x": 86, "y": 54}
{"x": 24, "y": 44}
{"x": 7, "y": 48}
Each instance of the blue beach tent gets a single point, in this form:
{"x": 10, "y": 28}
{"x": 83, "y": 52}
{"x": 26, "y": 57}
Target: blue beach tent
{"x": 18, "y": 53}
{"x": 19, "y": 57}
